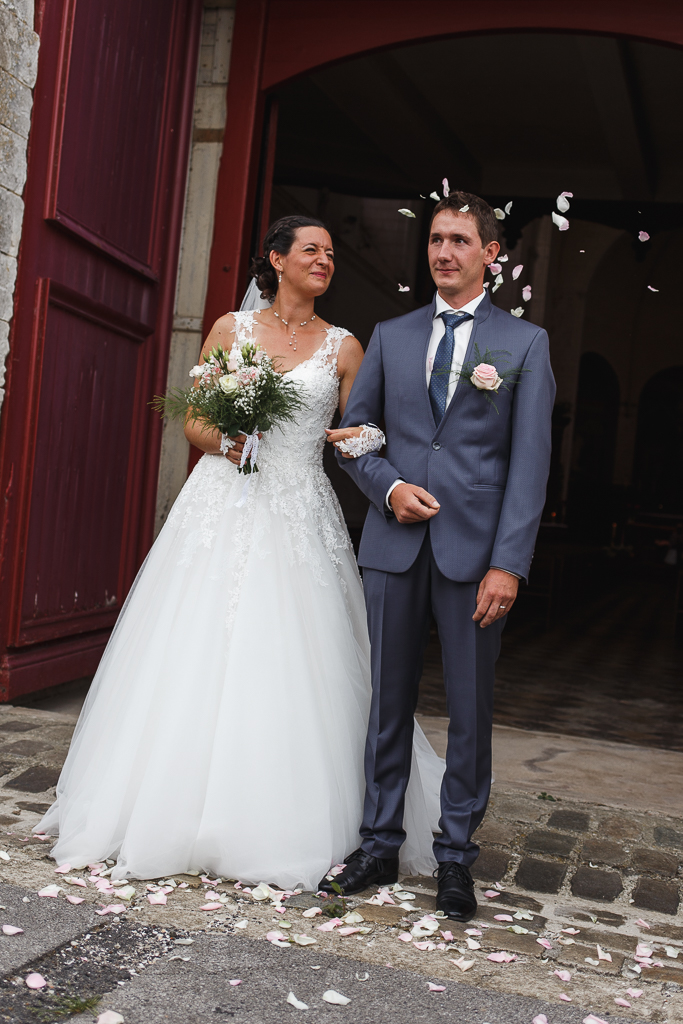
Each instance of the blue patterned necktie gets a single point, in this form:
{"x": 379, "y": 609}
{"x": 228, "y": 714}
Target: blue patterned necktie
{"x": 441, "y": 370}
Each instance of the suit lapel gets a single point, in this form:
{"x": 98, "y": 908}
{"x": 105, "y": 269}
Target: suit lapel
{"x": 481, "y": 315}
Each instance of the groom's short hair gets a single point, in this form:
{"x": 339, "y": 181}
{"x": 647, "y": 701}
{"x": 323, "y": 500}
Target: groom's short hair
{"x": 478, "y": 209}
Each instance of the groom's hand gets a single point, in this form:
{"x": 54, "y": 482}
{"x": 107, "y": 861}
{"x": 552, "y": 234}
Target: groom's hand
{"x": 413, "y": 504}
{"x": 496, "y": 596}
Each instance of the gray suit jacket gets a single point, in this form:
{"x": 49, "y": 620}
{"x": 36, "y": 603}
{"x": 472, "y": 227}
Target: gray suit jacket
{"x": 488, "y": 471}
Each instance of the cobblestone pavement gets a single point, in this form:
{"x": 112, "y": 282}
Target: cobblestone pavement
{"x": 573, "y": 887}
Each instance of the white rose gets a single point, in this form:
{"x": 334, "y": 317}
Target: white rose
{"x": 197, "y": 371}
{"x": 228, "y": 384}
{"x": 485, "y": 377}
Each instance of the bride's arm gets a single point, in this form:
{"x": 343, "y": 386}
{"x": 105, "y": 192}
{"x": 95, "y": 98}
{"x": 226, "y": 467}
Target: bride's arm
{"x": 348, "y": 364}
{"x": 207, "y": 439}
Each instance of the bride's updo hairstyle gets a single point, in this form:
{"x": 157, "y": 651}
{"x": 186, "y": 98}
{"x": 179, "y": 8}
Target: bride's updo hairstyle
{"x": 279, "y": 238}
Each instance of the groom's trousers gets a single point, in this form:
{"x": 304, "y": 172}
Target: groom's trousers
{"x": 399, "y": 607}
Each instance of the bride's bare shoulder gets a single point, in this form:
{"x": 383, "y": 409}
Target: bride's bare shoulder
{"x": 222, "y": 333}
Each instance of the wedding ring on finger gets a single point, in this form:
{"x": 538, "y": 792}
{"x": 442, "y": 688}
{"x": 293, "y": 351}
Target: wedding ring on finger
{"x": 501, "y": 607}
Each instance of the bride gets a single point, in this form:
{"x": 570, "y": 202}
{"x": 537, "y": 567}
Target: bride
{"x": 224, "y": 729}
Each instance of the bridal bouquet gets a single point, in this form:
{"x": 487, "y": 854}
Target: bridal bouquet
{"x": 236, "y": 392}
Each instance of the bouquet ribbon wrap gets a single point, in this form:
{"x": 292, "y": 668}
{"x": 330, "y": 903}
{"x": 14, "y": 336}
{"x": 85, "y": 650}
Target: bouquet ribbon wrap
{"x": 250, "y": 451}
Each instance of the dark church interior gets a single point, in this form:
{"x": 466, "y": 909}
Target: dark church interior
{"x": 594, "y": 645}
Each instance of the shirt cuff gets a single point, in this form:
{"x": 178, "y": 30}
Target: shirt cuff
{"x": 386, "y": 500}
{"x": 500, "y": 568}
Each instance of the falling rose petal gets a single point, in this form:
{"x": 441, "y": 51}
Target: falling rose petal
{"x": 35, "y": 981}
{"x": 435, "y": 195}
{"x": 495, "y": 268}
{"x": 565, "y": 998}
{"x": 519, "y": 311}
{"x": 436, "y": 988}
{"x": 508, "y": 207}
{"x": 502, "y": 259}
{"x": 408, "y": 213}
{"x": 75, "y": 900}
{"x": 159, "y": 899}
{"x": 404, "y": 287}
{"x": 561, "y": 222}
{"x": 526, "y": 292}
{"x": 296, "y": 1003}
{"x": 312, "y": 912}
{"x": 516, "y": 271}
{"x": 602, "y": 955}
{"x": 642, "y": 924}
{"x": 500, "y": 214}
{"x": 563, "y": 975}
{"x": 464, "y": 209}
{"x": 335, "y": 997}
{"x": 634, "y": 993}
{"x": 463, "y": 964}
{"x": 110, "y": 1017}
{"x": 491, "y": 894}
{"x": 9, "y": 929}
{"x": 562, "y": 202}
{"x": 540, "y": 1019}
{"x": 501, "y": 958}
{"x": 643, "y": 236}
{"x": 64, "y": 869}
{"x": 448, "y": 936}
{"x": 235, "y": 982}
{"x": 622, "y": 1002}
{"x": 544, "y": 943}
{"x": 446, "y": 189}
{"x": 207, "y": 906}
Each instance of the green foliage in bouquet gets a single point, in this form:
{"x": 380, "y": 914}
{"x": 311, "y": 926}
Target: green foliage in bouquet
{"x": 236, "y": 391}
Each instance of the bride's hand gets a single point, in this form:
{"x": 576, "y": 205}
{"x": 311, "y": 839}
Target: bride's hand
{"x": 234, "y": 454}
{"x": 342, "y": 435}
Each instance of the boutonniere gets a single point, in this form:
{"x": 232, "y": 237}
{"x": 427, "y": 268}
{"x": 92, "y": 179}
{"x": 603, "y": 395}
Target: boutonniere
{"x": 483, "y": 374}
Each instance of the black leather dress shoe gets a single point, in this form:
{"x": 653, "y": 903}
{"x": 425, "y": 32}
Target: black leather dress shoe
{"x": 455, "y": 894}
{"x": 361, "y": 871}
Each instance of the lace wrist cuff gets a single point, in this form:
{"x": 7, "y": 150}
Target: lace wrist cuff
{"x": 371, "y": 439}
{"x": 226, "y": 444}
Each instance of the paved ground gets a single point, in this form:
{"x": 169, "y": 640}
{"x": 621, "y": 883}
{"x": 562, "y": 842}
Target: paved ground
{"x": 573, "y": 872}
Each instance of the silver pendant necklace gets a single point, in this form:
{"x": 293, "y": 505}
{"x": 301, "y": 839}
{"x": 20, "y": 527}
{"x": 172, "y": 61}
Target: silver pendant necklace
{"x": 292, "y": 340}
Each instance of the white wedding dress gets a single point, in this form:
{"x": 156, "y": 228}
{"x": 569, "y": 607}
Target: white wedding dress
{"x": 224, "y": 730}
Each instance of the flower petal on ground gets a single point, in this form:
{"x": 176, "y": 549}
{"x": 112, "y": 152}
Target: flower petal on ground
{"x": 436, "y": 988}
{"x": 113, "y": 908}
{"x": 540, "y": 1019}
{"x": 463, "y": 964}
{"x": 126, "y": 892}
{"x": 296, "y": 1003}
{"x": 571, "y": 931}
{"x": 472, "y": 931}
{"x": 277, "y": 938}
{"x": 672, "y": 952}
{"x": 335, "y": 997}
{"x": 634, "y": 993}
{"x": 501, "y": 958}
{"x": 592, "y": 1019}
{"x": 516, "y": 271}
{"x": 235, "y": 982}
{"x": 308, "y": 940}
{"x": 312, "y": 912}
{"x": 75, "y": 899}
{"x": 591, "y": 961}
{"x": 563, "y": 975}
{"x": 427, "y": 946}
{"x": 9, "y": 929}
{"x": 51, "y": 890}
{"x": 63, "y": 870}
{"x": 602, "y": 955}
{"x": 409, "y": 213}
{"x": 241, "y": 924}
{"x": 544, "y": 943}
{"x": 448, "y": 936}
{"x": 472, "y": 943}
{"x": 643, "y": 236}
{"x": 207, "y": 906}
{"x": 35, "y": 981}
{"x": 643, "y": 950}
{"x": 405, "y": 937}
{"x": 622, "y": 1002}
{"x": 526, "y": 292}
{"x": 565, "y": 998}
{"x": 642, "y": 924}
{"x": 160, "y": 898}
{"x": 110, "y": 1017}
{"x": 76, "y": 881}
{"x": 490, "y": 894}
{"x": 329, "y": 926}
{"x": 561, "y": 222}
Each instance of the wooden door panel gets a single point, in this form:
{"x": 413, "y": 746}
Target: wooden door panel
{"x": 90, "y": 360}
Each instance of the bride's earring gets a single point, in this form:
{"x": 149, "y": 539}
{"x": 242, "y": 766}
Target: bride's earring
{"x": 280, "y": 278}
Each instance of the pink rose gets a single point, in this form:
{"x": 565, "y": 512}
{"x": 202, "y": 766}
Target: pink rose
{"x": 485, "y": 377}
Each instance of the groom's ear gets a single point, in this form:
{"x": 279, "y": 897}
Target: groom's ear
{"x": 490, "y": 252}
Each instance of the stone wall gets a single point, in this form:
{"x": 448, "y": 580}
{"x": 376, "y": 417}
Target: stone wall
{"x": 18, "y": 68}
{"x": 207, "y": 144}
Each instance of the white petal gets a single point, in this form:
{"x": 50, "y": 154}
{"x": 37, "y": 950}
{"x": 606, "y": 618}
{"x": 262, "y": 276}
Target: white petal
{"x": 304, "y": 940}
{"x": 562, "y": 204}
{"x": 561, "y": 222}
{"x": 110, "y": 1017}
{"x": 464, "y": 209}
{"x": 446, "y": 189}
{"x": 500, "y": 214}
{"x": 435, "y": 195}
{"x": 296, "y": 1003}
{"x": 508, "y": 206}
{"x": 404, "y": 287}
{"x": 335, "y": 997}
{"x": 526, "y": 292}
{"x": 518, "y": 312}
{"x": 651, "y": 289}
{"x": 502, "y": 259}
{"x": 407, "y": 213}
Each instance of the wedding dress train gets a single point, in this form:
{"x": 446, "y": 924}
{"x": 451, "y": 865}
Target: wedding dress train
{"x": 225, "y": 727}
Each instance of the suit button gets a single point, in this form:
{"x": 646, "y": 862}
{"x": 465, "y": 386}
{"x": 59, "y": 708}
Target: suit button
{"x": 436, "y": 446}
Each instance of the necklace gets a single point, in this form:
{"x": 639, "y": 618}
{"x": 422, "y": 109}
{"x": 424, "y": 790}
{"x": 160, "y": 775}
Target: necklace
{"x": 292, "y": 340}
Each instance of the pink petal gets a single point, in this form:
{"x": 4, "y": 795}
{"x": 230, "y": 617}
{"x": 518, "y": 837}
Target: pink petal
{"x": 207, "y": 906}
{"x": 563, "y": 975}
{"x": 495, "y": 268}
{"x": 348, "y": 930}
{"x": 312, "y": 912}
{"x": 9, "y": 929}
{"x": 405, "y": 937}
{"x": 544, "y": 943}
{"x": 592, "y": 1019}
{"x": 565, "y": 998}
{"x": 209, "y": 882}
{"x": 50, "y": 890}
{"x": 75, "y": 899}
{"x": 642, "y": 924}
{"x": 448, "y": 936}
{"x": 517, "y": 271}
{"x": 472, "y": 931}
{"x": 643, "y": 236}
{"x": 63, "y": 870}
{"x": 43, "y": 838}
{"x": 643, "y": 950}
{"x": 526, "y": 292}
{"x": 540, "y": 1019}
{"x": 436, "y": 988}
{"x": 113, "y": 908}
{"x": 425, "y": 946}
{"x": 329, "y": 926}
{"x": 502, "y": 917}
{"x": 501, "y": 958}
{"x": 78, "y": 881}
{"x": 622, "y": 1002}
{"x": 651, "y": 289}
{"x": 634, "y": 993}
{"x": 446, "y": 189}
{"x": 157, "y": 899}
{"x": 491, "y": 894}
{"x": 571, "y": 931}
{"x": 35, "y": 981}
{"x": 237, "y": 981}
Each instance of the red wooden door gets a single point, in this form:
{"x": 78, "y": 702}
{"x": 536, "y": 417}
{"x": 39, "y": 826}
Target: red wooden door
{"x": 107, "y": 165}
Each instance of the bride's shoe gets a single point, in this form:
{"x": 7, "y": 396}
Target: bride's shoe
{"x": 362, "y": 870}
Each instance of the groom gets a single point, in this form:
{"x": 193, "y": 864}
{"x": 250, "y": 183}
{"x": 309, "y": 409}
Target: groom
{"x": 454, "y": 512}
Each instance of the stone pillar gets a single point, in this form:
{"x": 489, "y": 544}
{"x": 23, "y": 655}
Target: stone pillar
{"x": 18, "y": 69}
{"x": 200, "y": 200}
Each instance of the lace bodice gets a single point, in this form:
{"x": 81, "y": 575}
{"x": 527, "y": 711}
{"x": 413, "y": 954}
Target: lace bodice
{"x": 290, "y": 483}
